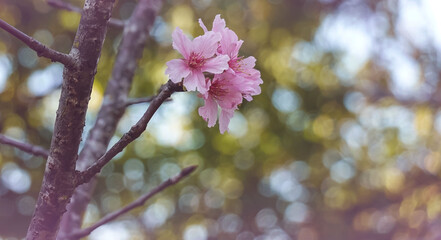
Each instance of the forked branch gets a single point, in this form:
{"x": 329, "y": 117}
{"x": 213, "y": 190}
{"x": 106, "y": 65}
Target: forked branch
{"x": 134, "y": 132}
{"x": 137, "y": 203}
{"x": 26, "y": 147}
{"x": 41, "y": 49}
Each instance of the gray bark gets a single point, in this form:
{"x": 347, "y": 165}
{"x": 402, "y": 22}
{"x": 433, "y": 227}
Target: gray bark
{"x": 134, "y": 39}
{"x": 59, "y": 179}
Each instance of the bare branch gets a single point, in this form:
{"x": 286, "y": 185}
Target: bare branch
{"x": 64, "y": 6}
{"x": 41, "y": 49}
{"x": 59, "y": 181}
{"x": 134, "y": 101}
{"x": 69, "y": 7}
{"x": 116, "y": 23}
{"x": 29, "y": 148}
{"x": 134, "y": 132}
{"x": 137, "y": 203}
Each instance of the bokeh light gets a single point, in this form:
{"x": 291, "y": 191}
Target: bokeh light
{"x": 343, "y": 142}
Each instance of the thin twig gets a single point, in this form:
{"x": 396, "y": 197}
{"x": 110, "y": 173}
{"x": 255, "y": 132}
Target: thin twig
{"x": 29, "y": 148}
{"x": 135, "y": 131}
{"x": 41, "y": 49}
{"x": 69, "y": 7}
{"x": 64, "y": 6}
{"x": 137, "y": 203}
{"x": 134, "y": 101}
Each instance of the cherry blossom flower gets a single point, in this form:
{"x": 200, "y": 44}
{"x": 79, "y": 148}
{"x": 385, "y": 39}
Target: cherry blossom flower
{"x": 242, "y": 67}
{"x": 250, "y": 77}
{"x": 229, "y": 77}
{"x": 225, "y": 92}
{"x": 199, "y": 57}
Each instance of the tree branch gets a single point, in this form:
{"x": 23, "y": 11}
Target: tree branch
{"x": 165, "y": 92}
{"x": 69, "y": 7}
{"x": 113, "y": 107}
{"x": 59, "y": 181}
{"x": 134, "y": 101}
{"x": 29, "y": 148}
{"x": 41, "y": 49}
{"x": 137, "y": 203}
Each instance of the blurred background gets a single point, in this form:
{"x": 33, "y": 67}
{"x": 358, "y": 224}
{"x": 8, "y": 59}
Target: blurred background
{"x": 343, "y": 142}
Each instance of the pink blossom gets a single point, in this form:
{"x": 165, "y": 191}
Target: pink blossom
{"x": 199, "y": 57}
{"x": 218, "y": 24}
{"x": 232, "y": 77}
{"x": 229, "y": 43}
{"x": 243, "y": 68}
{"x": 226, "y": 92}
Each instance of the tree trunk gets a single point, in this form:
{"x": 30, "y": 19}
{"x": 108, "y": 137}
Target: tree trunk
{"x": 135, "y": 36}
{"x": 59, "y": 179}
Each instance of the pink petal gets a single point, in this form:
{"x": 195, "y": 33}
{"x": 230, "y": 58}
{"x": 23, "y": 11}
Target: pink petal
{"x": 253, "y": 75}
{"x": 196, "y": 81}
{"x": 224, "y": 88}
{"x": 209, "y": 111}
{"x": 246, "y": 70}
{"x": 235, "y": 51}
{"x": 177, "y": 69}
{"x": 216, "y": 65}
{"x": 207, "y": 44}
{"x": 181, "y": 43}
{"x": 251, "y": 91}
{"x": 230, "y": 43}
{"x": 250, "y": 86}
{"x": 218, "y": 24}
{"x": 248, "y": 98}
{"x": 231, "y": 100}
{"x": 248, "y": 62}
{"x": 202, "y": 25}
{"x": 224, "y": 120}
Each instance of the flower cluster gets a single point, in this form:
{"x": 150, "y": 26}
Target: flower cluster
{"x": 211, "y": 66}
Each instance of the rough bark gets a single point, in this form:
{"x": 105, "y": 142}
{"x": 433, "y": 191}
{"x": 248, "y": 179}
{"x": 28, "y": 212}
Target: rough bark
{"x": 60, "y": 176}
{"x": 130, "y": 51}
